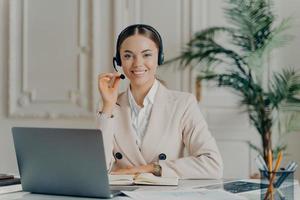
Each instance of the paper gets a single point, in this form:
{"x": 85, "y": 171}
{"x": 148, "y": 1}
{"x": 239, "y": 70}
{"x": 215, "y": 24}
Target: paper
{"x": 202, "y": 194}
{"x": 10, "y": 188}
{"x": 121, "y": 179}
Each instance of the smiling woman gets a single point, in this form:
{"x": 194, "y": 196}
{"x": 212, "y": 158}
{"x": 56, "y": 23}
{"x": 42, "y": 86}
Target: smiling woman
{"x": 147, "y": 128}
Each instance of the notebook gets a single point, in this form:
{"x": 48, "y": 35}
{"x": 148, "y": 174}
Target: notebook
{"x": 142, "y": 179}
{"x": 7, "y": 179}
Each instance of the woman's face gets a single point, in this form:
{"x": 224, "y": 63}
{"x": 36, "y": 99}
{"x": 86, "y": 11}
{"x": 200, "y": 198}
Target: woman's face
{"x": 139, "y": 57}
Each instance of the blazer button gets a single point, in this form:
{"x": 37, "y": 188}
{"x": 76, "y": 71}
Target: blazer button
{"x": 118, "y": 155}
{"x": 162, "y": 156}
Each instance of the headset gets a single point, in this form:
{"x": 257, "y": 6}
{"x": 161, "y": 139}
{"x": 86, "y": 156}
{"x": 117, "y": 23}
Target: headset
{"x": 117, "y": 58}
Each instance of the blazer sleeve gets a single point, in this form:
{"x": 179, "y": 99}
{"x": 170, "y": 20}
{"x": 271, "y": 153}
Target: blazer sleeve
{"x": 105, "y": 124}
{"x": 204, "y": 160}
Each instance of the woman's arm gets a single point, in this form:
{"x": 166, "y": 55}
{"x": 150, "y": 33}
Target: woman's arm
{"x": 108, "y": 84}
{"x": 105, "y": 124}
{"x": 204, "y": 159}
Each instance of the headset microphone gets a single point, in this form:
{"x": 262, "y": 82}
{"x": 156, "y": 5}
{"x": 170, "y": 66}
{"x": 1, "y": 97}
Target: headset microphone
{"x": 122, "y": 76}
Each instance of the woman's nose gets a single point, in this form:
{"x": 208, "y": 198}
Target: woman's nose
{"x": 138, "y": 61}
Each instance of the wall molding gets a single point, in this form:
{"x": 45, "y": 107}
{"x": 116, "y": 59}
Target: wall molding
{"x": 25, "y": 101}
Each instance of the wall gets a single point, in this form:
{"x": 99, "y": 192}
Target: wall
{"x": 288, "y": 56}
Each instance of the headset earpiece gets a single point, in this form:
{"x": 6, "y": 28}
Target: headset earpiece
{"x": 161, "y": 58}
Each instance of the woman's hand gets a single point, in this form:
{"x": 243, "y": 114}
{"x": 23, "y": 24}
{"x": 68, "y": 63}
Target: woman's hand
{"x": 135, "y": 170}
{"x": 108, "y": 85}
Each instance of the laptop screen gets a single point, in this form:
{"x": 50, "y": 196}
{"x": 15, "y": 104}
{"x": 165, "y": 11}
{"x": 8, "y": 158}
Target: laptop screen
{"x": 61, "y": 161}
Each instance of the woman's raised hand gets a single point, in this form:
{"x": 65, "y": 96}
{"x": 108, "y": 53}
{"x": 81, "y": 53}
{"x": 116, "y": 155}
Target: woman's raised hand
{"x": 108, "y": 85}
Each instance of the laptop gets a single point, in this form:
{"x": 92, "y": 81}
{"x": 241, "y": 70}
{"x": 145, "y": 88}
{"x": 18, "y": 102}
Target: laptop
{"x": 62, "y": 161}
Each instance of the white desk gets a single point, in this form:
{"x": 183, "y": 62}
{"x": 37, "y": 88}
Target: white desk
{"x": 183, "y": 184}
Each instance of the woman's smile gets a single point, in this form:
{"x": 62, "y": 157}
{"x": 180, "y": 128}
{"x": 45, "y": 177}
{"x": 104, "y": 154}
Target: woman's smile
{"x": 139, "y": 72}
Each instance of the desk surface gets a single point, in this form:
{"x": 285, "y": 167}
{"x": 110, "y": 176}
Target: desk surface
{"x": 183, "y": 184}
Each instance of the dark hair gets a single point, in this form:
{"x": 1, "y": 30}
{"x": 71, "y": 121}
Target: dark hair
{"x": 144, "y": 30}
{"x": 141, "y": 30}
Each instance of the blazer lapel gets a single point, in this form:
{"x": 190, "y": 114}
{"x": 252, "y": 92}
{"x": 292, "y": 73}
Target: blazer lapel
{"x": 126, "y": 139}
{"x": 155, "y": 133}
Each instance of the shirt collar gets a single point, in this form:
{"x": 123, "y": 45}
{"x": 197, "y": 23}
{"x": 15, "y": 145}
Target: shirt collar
{"x": 149, "y": 98}
{"x": 151, "y": 94}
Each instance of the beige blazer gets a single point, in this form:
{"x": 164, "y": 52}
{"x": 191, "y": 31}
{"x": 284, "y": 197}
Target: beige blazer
{"x": 176, "y": 125}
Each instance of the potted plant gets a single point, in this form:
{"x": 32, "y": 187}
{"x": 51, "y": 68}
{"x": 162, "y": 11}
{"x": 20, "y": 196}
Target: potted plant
{"x": 250, "y": 39}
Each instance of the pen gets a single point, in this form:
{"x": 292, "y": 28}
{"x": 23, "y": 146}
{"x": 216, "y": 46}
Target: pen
{"x": 273, "y": 175}
{"x": 258, "y": 164}
{"x": 261, "y": 165}
{"x": 295, "y": 166}
{"x": 278, "y": 161}
{"x": 270, "y": 165}
{"x": 289, "y": 169}
{"x": 270, "y": 160}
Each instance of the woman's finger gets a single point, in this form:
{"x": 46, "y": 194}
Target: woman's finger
{"x": 106, "y": 75}
{"x": 116, "y": 83}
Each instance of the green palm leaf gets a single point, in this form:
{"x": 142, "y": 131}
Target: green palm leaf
{"x": 285, "y": 88}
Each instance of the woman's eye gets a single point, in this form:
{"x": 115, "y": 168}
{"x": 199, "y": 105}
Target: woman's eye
{"x": 148, "y": 55}
{"x": 127, "y": 56}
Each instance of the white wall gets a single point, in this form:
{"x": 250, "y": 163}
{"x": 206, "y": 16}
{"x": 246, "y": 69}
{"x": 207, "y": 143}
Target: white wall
{"x": 54, "y": 100}
{"x": 94, "y": 43}
{"x": 289, "y": 56}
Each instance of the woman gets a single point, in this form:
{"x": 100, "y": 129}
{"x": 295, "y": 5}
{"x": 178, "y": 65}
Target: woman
{"x": 148, "y": 127}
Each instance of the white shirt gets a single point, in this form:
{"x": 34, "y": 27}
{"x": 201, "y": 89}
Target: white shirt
{"x": 140, "y": 115}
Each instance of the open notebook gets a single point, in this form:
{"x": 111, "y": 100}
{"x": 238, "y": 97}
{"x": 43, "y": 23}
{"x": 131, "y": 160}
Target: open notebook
{"x": 141, "y": 179}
